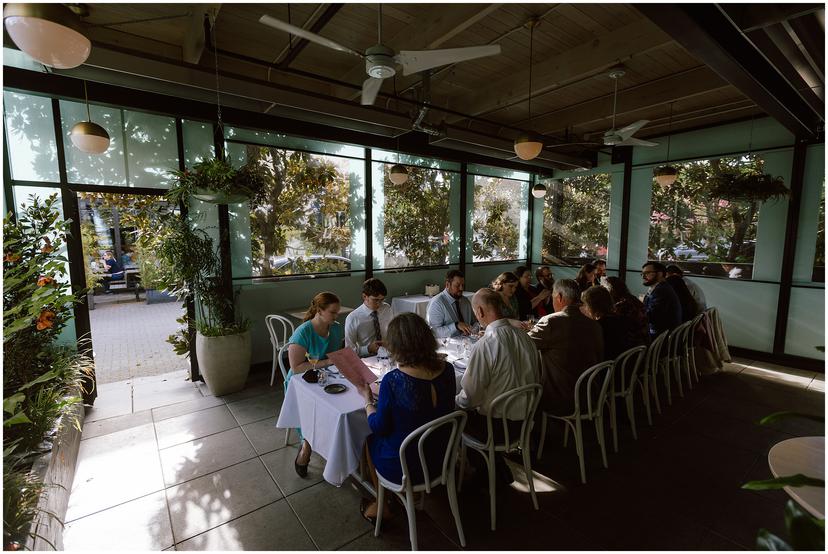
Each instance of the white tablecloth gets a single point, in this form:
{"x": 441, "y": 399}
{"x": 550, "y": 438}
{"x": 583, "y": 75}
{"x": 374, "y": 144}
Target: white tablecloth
{"x": 417, "y": 303}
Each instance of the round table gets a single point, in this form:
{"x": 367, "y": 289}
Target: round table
{"x": 805, "y": 455}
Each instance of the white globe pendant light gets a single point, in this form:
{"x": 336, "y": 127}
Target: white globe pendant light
{"x": 398, "y": 174}
{"x": 87, "y": 136}
{"x": 539, "y": 190}
{"x": 666, "y": 175}
{"x": 529, "y": 146}
{"x": 49, "y": 33}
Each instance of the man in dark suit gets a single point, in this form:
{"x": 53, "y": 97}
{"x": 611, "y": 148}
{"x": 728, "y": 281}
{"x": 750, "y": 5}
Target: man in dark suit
{"x": 569, "y": 343}
{"x": 661, "y": 303}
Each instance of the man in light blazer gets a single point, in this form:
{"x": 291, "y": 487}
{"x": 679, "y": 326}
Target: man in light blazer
{"x": 569, "y": 343}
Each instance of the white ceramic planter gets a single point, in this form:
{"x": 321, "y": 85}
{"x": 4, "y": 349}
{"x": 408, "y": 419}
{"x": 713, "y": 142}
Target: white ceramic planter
{"x": 224, "y": 361}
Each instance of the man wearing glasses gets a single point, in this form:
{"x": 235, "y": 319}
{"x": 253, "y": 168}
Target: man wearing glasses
{"x": 661, "y": 303}
{"x": 367, "y": 325}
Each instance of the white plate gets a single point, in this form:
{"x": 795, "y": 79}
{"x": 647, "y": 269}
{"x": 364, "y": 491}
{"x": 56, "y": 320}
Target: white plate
{"x": 459, "y": 363}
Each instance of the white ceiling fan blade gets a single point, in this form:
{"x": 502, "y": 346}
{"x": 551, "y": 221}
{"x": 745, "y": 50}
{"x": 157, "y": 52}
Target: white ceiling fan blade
{"x": 414, "y": 61}
{"x": 632, "y": 128}
{"x": 370, "y": 89}
{"x": 574, "y": 144}
{"x": 632, "y": 141}
{"x": 307, "y": 35}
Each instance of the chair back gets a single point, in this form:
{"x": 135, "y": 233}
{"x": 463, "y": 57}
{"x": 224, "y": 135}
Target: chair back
{"x": 527, "y": 397}
{"x": 457, "y": 421}
{"x": 627, "y": 367}
{"x": 275, "y": 324}
{"x": 282, "y": 354}
{"x": 653, "y": 356}
{"x": 592, "y": 385}
{"x": 678, "y": 340}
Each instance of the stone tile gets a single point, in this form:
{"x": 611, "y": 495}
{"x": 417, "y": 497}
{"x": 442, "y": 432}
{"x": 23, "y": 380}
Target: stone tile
{"x": 187, "y": 427}
{"x": 141, "y": 524}
{"x": 274, "y": 527}
{"x": 171, "y": 376}
{"x": 729, "y": 367}
{"x": 252, "y": 391}
{"x": 256, "y": 408}
{"x": 280, "y": 465}
{"x": 778, "y": 374}
{"x": 112, "y": 401}
{"x": 202, "y": 456}
{"x": 394, "y": 536}
{"x": 111, "y": 425}
{"x": 155, "y": 394}
{"x": 190, "y": 406}
{"x": 113, "y": 469}
{"x": 818, "y": 384}
{"x": 201, "y": 504}
{"x": 330, "y": 533}
{"x": 265, "y": 437}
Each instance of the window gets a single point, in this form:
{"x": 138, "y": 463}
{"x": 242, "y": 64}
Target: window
{"x": 819, "y": 258}
{"x": 576, "y": 216}
{"x": 413, "y": 220}
{"x": 30, "y": 136}
{"x": 302, "y": 223}
{"x": 705, "y": 222}
{"x": 500, "y": 219}
{"x": 94, "y": 169}
{"x": 152, "y": 149}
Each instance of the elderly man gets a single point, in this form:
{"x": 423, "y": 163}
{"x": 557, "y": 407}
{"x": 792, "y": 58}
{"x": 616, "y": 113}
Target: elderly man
{"x": 695, "y": 290}
{"x": 661, "y": 304}
{"x": 502, "y": 360}
{"x": 569, "y": 343}
{"x": 366, "y": 326}
{"x": 450, "y": 313}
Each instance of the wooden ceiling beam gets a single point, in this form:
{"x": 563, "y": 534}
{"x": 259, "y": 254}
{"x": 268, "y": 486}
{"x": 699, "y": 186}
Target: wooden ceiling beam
{"x": 750, "y": 17}
{"x": 192, "y": 45}
{"x": 579, "y": 63}
{"x": 316, "y": 27}
{"x": 674, "y": 88}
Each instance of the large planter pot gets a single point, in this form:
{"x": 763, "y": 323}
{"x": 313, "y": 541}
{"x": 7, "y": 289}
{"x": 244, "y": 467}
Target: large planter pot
{"x": 218, "y": 197}
{"x": 224, "y": 361}
{"x": 155, "y": 296}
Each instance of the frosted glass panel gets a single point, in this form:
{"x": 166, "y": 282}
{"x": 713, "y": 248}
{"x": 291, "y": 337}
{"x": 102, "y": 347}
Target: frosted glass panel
{"x": 30, "y": 132}
{"x": 94, "y": 169}
{"x": 152, "y": 149}
{"x": 198, "y": 141}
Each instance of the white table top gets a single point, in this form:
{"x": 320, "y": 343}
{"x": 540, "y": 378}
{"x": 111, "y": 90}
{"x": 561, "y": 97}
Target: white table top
{"x": 805, "y": 455}
{"x": 415, "y": 303}
{"x": 299, "y": 313}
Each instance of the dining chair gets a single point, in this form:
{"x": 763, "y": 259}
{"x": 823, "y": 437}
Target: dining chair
{"x": 596, "y": 381}
{"x": 529, "y": 397}
{"x": 626, "y": 372}
{"x": 272, "y": 322}
{"x": 406, "y": 488}
{"x": 676, "y": 346}
{"x": 281, "y": 356}
{"x": 653, "y": 365}
{"x": 690, "y": 361}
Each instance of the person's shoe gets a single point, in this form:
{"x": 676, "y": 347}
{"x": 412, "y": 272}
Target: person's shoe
{"x": 363, "y": 505}
{"x": 301, "y": 469}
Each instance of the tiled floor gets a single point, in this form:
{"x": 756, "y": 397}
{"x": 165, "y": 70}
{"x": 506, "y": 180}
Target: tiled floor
{"x": 164, "y": 465}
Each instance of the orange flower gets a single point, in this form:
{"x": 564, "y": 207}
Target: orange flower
{"x": 47, "y": 247}
{"x": 43, "y": 281}
{"x": 11, "y": 257}
{"x": 46, "y": 320}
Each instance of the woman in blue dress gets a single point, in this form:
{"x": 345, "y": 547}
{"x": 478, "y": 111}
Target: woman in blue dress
{"x": 319, "y": 334}
{"x": 420, "y": 390}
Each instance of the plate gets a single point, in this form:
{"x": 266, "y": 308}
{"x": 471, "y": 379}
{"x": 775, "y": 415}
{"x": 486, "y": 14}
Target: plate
{"x": 460, "y": 363}
{"x": 335, "y": 388}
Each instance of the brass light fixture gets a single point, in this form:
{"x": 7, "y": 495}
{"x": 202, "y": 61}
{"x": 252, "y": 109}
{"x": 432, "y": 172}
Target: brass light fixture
{"x": 529, "y": 145}
{"x": 87, "y": 136}
{"x": 666, "y": 175}
{"x": 49, "y": 33}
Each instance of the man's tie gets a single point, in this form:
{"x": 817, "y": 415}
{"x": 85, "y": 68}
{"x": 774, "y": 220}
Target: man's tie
{"x": 377, "y": 331}
{"x": 459, "y": 313}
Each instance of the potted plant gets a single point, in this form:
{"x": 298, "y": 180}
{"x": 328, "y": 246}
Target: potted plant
{"x": 222, "y": 341}
{"x": 216, "y": 181}
{"x": 153, "y": 271}
{"x": 746, "y": 184}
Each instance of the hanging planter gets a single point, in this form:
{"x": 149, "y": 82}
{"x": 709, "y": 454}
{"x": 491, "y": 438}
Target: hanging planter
{"x": 735, "y": 185}
{"x": 217, "y": 182}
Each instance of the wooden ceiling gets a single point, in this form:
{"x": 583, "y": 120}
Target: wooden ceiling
{"x": 481, "y": 103}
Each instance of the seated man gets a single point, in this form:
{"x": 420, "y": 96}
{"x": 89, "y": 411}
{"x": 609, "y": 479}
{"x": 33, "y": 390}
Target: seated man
{"x": 695, "y": 290}
{"x": 543, "y": 289}
{"x": 569, "y": 343}
{"x": 502, "y": 360}
{"x": 113, "y": 270}
{"x": 367, "y": 325}
{"x": 661, "y": 303}
{"x": 600, "y": 270}
{"x": 450, "y": 313}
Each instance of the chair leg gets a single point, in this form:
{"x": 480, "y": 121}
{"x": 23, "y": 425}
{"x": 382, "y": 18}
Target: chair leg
{"x": 654, "y": 387}
{"x": 411, "y": 512}
{"x": 490, "y": 465}
{"x": 631, "y": 414}
{"x": 287, "y": 436}
{"x": 599, "y": 430}
{"x": 614, "y": 424}
{"x": 666, "y": 372}
{"x": 527, "y": 468}
{"x": 380, "y": 504}
{"x": 645, "y": 390}
{"x": 566, "y": 434}
{"x": 462, "y": 466}
{"x": 543, "y": 435}
{"x": 579, "y": 447}
{"x": 455, "y": 509}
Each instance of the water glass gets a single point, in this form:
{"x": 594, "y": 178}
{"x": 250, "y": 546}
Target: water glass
{"x": 323, "y": 376}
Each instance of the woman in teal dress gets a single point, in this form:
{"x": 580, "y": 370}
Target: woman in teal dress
{"x": 506, "y": 284}
{"x": 319, "y": 334}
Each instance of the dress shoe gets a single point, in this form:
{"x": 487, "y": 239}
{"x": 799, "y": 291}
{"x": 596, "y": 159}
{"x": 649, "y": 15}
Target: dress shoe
{"x": 301, "y": 469}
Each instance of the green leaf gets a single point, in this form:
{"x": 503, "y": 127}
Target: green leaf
{"x": 776, "y": 416}
{"x": 797, "y": 480}
{"x": 805, "y": 531}
{"x": 11, "y": 403}
{"x": 17, "y": 418}
{"x": 48, "y": 376}
{"x": 766, "y": 540}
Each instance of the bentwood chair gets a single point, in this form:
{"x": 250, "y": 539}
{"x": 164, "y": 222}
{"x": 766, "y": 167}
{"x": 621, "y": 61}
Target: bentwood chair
{"x": 690, "y": 362}
{"x": 274, "y": 324}
{"x": 653, "y": 365}
{"x": 406, "y": 489}
{"x": 626, "y": 380}
{"x": 528, "y": 397}
{"x": 591, "y": 389}
{"x": 676, "y": 355}
{"x": 281, "y": 357}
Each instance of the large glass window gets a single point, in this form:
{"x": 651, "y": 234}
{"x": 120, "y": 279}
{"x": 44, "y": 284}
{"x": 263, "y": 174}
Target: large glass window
{"x": 30, "y": 136}
{"x": 152, "y": 149}
{"x": 705, "y": 222}
{"x": 576, "y": 214}
{"x": 819, "y": 257}
{"x": 302, "y": 222}
{"x": 499, "y": 221}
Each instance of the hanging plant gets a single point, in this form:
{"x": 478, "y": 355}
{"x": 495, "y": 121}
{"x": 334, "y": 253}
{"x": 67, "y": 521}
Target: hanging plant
{"x": 217, "y": 182}
{"x": 736, "y": 184}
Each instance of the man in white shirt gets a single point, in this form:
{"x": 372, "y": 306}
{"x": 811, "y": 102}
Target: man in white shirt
{"x": 695, "y": 290}
{"x": 367, "y": 325}
{"x": 450, "y": 313}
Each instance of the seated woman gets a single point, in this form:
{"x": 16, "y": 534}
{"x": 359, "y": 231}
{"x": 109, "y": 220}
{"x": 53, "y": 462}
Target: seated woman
{"x": 506, "y": 284}
{"x": 598, "y": 305}
{"x": 630, "y": 308}
{"x": 586, "y": 277}
{"x": 527, "y": 297}
{"x": 420, "y": 390}
{"x": 312, "y": 340}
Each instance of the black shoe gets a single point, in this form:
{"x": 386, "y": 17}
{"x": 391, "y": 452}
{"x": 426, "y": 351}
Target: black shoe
{"x": 301, "y": 469}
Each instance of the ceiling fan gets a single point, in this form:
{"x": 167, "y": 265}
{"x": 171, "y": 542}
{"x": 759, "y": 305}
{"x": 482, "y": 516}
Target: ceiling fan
{"x": 381, "y": 61}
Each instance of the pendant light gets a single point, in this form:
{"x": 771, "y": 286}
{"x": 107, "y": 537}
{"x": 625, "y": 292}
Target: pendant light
{"x": 87, "y": 136}
{"x": 398, "y": 174}
{"x": 529, "y": 146}
{"x": 666, "y": 175}
{"x": 539, "y": 190}
{"x": 49, "y": 33}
